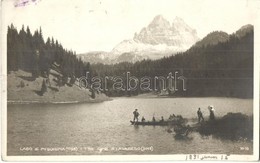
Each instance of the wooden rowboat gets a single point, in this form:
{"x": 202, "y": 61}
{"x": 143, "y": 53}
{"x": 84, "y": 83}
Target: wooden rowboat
{"x": 157, "y": 123}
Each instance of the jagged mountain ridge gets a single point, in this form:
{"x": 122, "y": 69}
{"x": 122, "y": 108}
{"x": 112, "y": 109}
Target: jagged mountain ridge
{"x": 160, "y": 38}
{"x": 160, "y": 31}
{"x": 94, "y": 56}
{"x": 159, "y": 42}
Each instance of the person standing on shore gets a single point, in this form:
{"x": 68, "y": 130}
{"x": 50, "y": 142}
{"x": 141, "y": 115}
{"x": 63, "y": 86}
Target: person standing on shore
{"x": 200, "y": 116}
{"x": 211, "y": 113}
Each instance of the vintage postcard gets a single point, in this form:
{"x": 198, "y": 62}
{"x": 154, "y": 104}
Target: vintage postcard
{"x": 130, "y": 80}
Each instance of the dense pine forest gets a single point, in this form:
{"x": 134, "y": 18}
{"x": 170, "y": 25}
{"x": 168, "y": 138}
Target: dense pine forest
{"x": 224, "y": 69}
{"x": 29, "y": 52}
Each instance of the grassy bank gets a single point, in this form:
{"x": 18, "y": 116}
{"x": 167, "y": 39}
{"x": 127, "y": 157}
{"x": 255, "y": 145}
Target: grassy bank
{"x": 21, "y": 88}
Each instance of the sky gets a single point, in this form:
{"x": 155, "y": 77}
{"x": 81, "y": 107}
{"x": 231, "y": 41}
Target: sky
{"x": 99, "y": 25}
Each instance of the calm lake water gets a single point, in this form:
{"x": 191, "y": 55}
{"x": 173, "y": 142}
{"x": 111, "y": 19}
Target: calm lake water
{"x": 104, "y": 128}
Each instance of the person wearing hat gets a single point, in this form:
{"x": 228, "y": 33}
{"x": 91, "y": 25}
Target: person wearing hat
{"x": 136, "y": 114}
{"x": 211, "y": 113}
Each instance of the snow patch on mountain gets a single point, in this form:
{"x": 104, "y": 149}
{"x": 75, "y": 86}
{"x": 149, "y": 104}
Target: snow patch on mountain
{"x": 159, "y": 39}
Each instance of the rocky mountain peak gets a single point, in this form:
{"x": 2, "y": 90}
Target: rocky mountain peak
{"x": 159, "y": 22}
{"x": 179, "y": 25}
{"x": 160, "y": 31}
{"x": 158, "y": 39}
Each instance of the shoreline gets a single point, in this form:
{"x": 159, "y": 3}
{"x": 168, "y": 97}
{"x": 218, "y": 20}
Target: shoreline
{"x": 153, "y": 95}
{"x": 99, "y": 100}
{"x": 10, "y": 102}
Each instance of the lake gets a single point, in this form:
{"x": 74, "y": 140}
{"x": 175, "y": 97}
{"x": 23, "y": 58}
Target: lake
{"x": 104, "y": 128}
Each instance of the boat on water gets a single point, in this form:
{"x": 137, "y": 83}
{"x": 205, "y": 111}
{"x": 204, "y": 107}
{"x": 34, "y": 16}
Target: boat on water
{"x": 158, "y": 123}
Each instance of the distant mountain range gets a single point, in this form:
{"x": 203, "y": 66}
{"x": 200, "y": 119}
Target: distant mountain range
{"x": 219, "y": 65}
{"x": 160, "y": 38}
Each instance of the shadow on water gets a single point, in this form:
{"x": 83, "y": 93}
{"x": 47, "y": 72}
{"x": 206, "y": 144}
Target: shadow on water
{"x": 136, "y": 127}
{"x": 182, "y": 138}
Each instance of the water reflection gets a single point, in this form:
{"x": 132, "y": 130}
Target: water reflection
{"x": 136, "y": 127}
{"x": 182, "y": 138}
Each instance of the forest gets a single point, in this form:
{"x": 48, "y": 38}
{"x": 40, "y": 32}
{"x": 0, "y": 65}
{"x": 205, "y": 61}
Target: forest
{"x": 29, "y": 52}
{"x": 223, "y": 70}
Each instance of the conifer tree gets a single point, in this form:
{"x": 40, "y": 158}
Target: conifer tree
{"x": 44, "y": 87}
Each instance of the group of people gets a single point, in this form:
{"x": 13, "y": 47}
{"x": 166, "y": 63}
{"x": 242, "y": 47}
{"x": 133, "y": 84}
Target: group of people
{"x": 199, "y": 113}
{"x": 136, "y": 115}
{"x": 211, "y": 114}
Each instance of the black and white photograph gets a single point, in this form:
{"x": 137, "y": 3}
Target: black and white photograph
{"x": 130, "y": 80}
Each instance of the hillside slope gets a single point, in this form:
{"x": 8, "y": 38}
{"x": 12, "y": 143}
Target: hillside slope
{"x": 217, "y": 69}
{"x": 22, "y": 89}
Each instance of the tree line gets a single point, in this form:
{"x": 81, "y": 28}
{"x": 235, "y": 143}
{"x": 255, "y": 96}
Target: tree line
{"x": 224, "y": 69}
{"x": 29, "y": 52}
